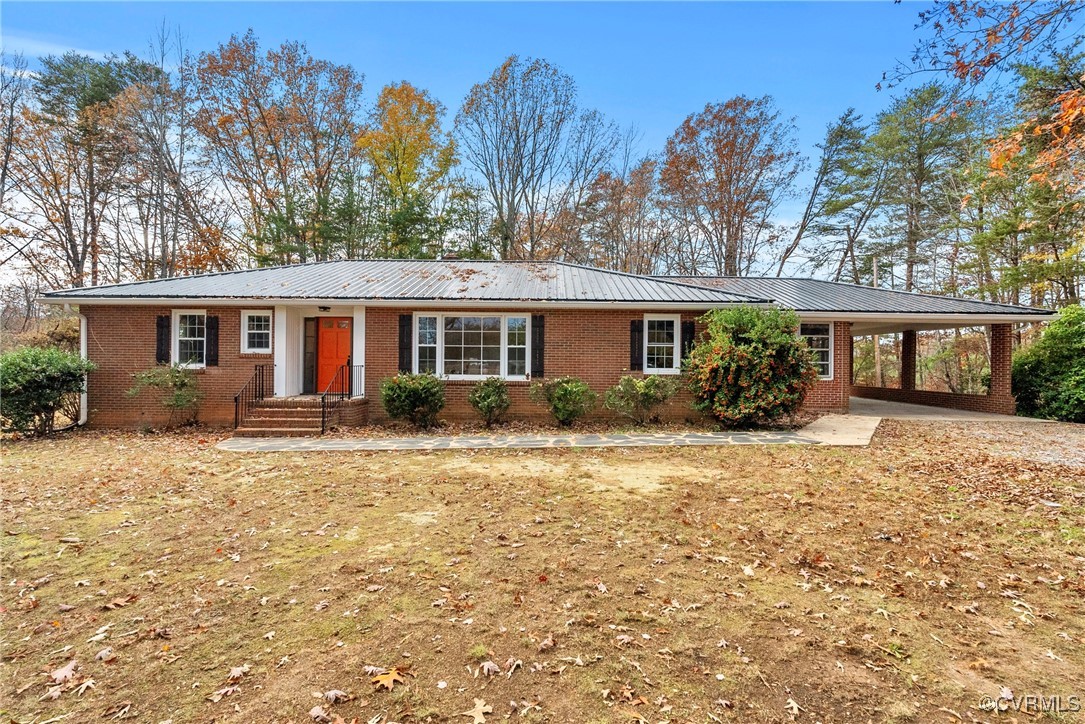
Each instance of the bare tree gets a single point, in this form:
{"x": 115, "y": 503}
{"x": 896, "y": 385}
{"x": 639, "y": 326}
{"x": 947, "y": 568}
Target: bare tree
{"x": 14, "y": 84}
{"x": 535, "y": 151}
{"x": 277, "y": 128}
{"x": 725, "y": 172}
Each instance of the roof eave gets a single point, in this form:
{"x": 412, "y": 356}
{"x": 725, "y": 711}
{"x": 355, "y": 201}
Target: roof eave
{"x": 401, "y": 302}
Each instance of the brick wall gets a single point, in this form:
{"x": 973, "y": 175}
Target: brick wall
{"x": 121, "y": 341}
{"x": 590, "y": 344}
{"x": 832, "y": 395}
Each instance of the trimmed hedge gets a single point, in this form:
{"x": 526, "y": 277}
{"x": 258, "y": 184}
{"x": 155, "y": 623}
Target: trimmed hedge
{"x": 567, "y": 398}
{"x": 639, "y": 397}
{"x": 34, "y": 384}
{"x": 491, "y": 400}
{"x": 417, "y": 398}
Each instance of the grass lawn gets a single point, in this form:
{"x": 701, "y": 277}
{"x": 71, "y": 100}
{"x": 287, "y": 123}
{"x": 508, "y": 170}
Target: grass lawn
{"x": 900, "y": 582}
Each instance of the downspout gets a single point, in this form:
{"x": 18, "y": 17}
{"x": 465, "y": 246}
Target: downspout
{"x": 83, "y": 355}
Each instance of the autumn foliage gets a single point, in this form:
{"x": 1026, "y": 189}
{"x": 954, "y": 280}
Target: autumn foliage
{"x": 750, "y": 366}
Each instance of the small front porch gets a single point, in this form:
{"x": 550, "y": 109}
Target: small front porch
{"x": 317, "y": 380}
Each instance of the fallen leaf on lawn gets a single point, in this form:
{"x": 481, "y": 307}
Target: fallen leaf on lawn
{"x": 335, "y": 696}
{"x": 793, "y": 707}
{"x": 748, "y": 570}
{"x": 479, "y": 712}
{"x": 318, "y": 714}
{"x": 237, "y": 672}
{"x": 64, "y": 673}
{"x": 88, "y": 684}
{"x": 217, "y": 696}
{"x": 389, "y": 679}
{"x": 513, "y": 665}
{"x": 120, "y": 602}
{"x": 52, "y": 693}
{"x": 547, "y": 643}
{"x": 118, "y": 711}
{"x": 490, "y": 668}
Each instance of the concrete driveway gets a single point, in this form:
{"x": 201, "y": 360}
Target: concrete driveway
{"x": 862, "y": 407}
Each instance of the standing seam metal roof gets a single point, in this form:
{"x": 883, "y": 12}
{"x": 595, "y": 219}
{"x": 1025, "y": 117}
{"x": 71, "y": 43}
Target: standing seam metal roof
{"x": 418, "y": 280}
{"x": 816, "y": 295}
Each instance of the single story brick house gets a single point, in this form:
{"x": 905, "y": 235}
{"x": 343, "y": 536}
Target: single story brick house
{"x": 297, "y": 348}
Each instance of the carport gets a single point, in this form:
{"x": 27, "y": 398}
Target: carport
{"x": 871, "y": 311}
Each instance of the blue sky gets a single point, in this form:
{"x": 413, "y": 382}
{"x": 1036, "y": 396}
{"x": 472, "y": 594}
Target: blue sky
{"x": 648, "y": 64}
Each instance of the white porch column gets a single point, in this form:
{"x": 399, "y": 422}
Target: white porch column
{"x": 358, "y": 349}
{"x": 280, "y": 346}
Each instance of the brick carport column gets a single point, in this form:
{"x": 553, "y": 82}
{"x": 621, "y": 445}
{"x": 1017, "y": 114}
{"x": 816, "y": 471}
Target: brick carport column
{"x": 1000, "y": 388}
{"x": 907, "y": 359}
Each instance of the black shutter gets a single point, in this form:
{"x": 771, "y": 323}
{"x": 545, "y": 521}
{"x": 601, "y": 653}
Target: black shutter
{"x": 211, "y": 351}
{"x": 538, "y": 343}
{"x": 636, "y": 345}
{"x": 162, "y": 341}
{"x": 689, "y": 335}
{"x": 406, "y": 341}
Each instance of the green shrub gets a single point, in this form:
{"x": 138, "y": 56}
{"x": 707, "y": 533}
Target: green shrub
{"x": 750, "y": 366}
{"x": 417, "y": 398}
{"x": 638, "y": 397}
{"x": 490, "y": 398}
{"x": 180, "y": 390}
{"x": 1049, "y": 377}
{"x": 35, "y": 383}
{"x": 567, "y": 398}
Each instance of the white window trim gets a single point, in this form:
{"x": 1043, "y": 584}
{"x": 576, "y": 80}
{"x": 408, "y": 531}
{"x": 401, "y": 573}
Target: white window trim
{"x": 175, "y": 339}
{"x": 245, "y": 314}
{"x": 832, "y": 346}
{"x": 677, "y": 369}
{"x": 504, "y": 344}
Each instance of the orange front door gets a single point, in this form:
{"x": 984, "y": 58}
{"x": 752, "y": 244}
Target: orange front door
{"x": 332, "y": 348}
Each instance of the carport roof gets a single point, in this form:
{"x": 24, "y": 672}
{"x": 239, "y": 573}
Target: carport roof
{"x": 816, "y": 295}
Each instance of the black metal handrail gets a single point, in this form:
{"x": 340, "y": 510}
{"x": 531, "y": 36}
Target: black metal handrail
{"x": 259, "y": 386}
{"x": 346, "y": 380}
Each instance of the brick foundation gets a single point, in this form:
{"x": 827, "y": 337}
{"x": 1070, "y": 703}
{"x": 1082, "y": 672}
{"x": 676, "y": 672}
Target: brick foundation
{"x": 1002, "y": 405}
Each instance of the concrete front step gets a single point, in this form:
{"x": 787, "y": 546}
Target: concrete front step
{"x": 289, "y": 402}
{"x": 284, "y": 412}
{"x": 245, "y": 431}
{"x": 274, "y": 421}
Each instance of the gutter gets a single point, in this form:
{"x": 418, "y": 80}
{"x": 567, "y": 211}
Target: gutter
{"x": 404, "y": 302}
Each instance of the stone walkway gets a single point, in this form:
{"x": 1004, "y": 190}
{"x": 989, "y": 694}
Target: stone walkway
{"x": 484, "y": 442}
